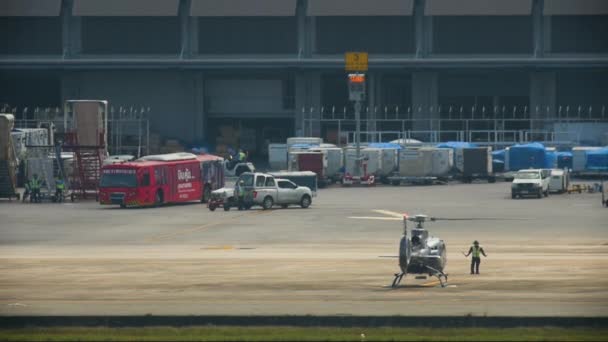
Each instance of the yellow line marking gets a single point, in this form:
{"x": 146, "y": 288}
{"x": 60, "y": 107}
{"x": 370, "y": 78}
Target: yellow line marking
{"x": 374, "y": 218}
{"x": 389, "y": 213}
{"x": 431, "y": 283}
{"x": 225, "y": 248}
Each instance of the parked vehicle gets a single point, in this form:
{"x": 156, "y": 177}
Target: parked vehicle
{"x": 224, "y": 198}
{"x": 235, "y": 168}
{"x": 301, "y": 178}
{"x": 531, "y": 182}
{"x": 159, "y": 179}
{"x": 267, "y": 191}
{"x": 560, "y": 181}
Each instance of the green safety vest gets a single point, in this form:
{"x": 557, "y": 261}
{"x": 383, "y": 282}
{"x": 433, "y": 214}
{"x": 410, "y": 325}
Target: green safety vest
{"x": 242, "y": 156}
{"x": 34, "y": 184}
{"x": 59, "y": 185}
{"x": 476, "y": 251}
{"x": 241, "y": 191}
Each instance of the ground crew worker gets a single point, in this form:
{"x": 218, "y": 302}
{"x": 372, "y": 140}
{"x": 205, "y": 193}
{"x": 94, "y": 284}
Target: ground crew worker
{"x": 241, "y": 195}
{"x": 59, "y": 187}
{"x": 34, "y": 188}
{"x": 476, "y": 250}
{"x": 242, "y": 156}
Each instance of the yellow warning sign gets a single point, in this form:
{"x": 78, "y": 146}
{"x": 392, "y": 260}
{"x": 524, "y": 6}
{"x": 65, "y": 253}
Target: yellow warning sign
{"x": 355, "y": 61}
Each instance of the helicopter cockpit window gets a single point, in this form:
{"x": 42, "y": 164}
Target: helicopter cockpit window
{"x": 415, "y": 240}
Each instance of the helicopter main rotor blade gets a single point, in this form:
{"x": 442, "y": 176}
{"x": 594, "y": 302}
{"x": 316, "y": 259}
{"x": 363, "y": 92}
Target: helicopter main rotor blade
{"x": 477, "y": 219}
{"x": 375, "y": 218}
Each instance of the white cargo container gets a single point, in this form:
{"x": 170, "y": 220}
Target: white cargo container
{"x": 335, "y": 160}
{"x": 579, "y": 157}
{"x": 416, "y": 162}
{"x": 277, "y": 156}
{"x": 390, "y": 161}
{"x": 443, "y": 161}
{"x": 560, "y": 180}
{"x": 350, "y": 157}
{"x": 373, "y": 160}
{"x": 304, "y": 140}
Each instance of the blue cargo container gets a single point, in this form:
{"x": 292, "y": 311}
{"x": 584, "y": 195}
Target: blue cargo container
{"x": 550, "y": 159}
{"x": 527, "y": 156}
{"x": 456, "y": 144}
{"x": 564, "y": 160}
{"x": 597, "y": 160}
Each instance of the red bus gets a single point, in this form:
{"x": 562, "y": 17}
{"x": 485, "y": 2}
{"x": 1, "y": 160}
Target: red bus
{"x": 163, "y": 178}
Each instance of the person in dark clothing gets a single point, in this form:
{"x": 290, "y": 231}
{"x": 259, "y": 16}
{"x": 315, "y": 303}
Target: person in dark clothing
{"x": 476, "y": 251}
{"x": 241, "y": 195}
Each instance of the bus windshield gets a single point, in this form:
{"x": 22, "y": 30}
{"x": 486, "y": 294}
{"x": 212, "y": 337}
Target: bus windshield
{"x": 118, "y": 179}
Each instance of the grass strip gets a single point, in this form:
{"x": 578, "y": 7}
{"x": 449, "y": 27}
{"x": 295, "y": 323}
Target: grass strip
{"x": 229, "y": 333}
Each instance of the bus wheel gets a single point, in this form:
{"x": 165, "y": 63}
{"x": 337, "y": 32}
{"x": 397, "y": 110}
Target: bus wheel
{"x": 226, "y": 207}
{"x": 158, "y": 199}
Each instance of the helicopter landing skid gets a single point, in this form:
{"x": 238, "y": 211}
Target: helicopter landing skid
{"x": 397, "y": 280}
{"x": 442, "y": 277}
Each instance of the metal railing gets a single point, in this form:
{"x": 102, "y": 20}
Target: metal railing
{"x": 128, "y": 127}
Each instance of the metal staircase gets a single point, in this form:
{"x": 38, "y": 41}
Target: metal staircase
{"x": 84, "y": 180}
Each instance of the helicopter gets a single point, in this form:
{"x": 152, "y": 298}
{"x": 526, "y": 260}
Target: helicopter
{"x": 421, "y": 254}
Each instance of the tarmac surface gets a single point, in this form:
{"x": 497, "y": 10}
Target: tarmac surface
{"x": 546, "y": 257}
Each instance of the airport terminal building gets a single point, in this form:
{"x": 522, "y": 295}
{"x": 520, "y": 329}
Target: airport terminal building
{"x": 271, "y": 69}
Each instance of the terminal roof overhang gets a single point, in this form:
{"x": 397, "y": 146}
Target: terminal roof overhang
{"x": 247, "y": 8}
{"x": 314, "y": 63}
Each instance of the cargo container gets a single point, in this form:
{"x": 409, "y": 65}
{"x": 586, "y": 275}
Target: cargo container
{"x": 309, "y": 161}
{"x": 560, "y": 180}
{"x": 335, "y": 161}
{"x": 304, "y": 140}
{"x": 526, "y": 156}
{"x": 564, "y": 160}
{"x": 597, "y": 160}
{"x": 443, "y": 162}
{"x": 416, "y": 162}
{"x": 475, "y": 163}
{"x": 579, "y": 157}
{"x": 277, "y": 156}
{"x": 389, "y": 158}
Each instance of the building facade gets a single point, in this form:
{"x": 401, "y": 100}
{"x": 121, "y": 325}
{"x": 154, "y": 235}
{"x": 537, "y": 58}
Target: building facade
{"x": 275, "y": 68}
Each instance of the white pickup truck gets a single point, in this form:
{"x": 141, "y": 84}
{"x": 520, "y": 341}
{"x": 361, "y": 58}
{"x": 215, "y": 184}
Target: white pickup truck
{"x": 532, "y": 182}
{"x": 266, "y": 191}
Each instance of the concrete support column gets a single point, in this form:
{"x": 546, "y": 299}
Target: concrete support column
{"x": 543, "y": 96}
{"x": 188, "y": 30}
{"x": 199, "y": 108}
{"x": 422, "y": 26}
{"x": 374, "y": 100}
{"x": 70, "y": 30}
{"x": 538, "y": 27}
{"x": 546, "y": 34}
{"x": 70, "y": 86}
{"x": 307, "y": 103}
{"x": 301, "y": 27}
{"x": 425, "y": 95}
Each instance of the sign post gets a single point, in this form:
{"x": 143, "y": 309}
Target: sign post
{"x": 357, "y": 62}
